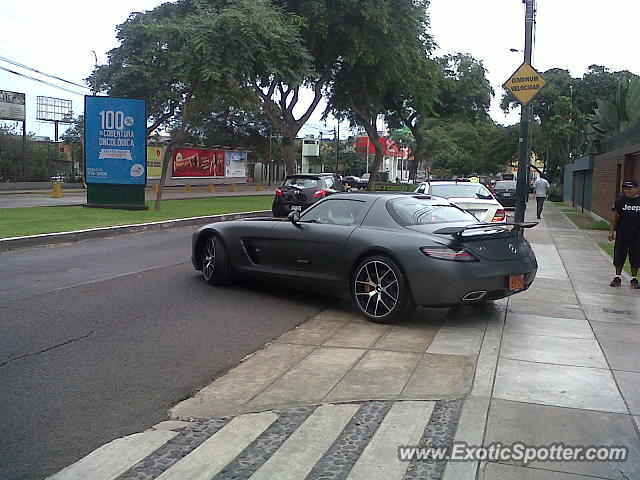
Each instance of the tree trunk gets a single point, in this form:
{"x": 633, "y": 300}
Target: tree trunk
{"x": 288, "y": 154}
{"x": 168, "y": 154}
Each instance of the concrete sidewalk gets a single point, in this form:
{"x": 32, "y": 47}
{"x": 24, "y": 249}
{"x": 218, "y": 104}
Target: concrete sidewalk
{"x": 336, "y": 397}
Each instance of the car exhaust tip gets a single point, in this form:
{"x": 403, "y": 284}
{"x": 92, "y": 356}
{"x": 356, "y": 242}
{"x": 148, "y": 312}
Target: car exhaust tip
{"x": 471, "y": 296}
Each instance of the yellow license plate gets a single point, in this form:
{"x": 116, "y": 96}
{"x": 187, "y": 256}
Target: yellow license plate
{"x": 516, "y": 282}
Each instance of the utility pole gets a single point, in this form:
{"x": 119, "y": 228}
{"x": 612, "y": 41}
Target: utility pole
{"x": 337, "y": 146}
{"x": 522, "y": 189}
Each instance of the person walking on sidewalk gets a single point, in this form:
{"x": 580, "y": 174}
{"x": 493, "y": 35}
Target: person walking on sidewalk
{"x": 625, "y": 229}
{"x": 541, "y": 186}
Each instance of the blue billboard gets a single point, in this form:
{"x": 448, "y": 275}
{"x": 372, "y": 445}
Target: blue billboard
{"x": 115, "y": 140}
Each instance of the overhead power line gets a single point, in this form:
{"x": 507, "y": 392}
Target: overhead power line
{"x": 41, "y": 81}
{"x": 18, "y": 64}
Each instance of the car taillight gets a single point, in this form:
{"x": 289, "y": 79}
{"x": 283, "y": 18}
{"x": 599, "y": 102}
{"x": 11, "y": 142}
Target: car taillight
{"x": 320, "y": 193}
{"x": 450, "y": 254}
{"x": 278, "y": 192}
{"x": 499, "y": 216}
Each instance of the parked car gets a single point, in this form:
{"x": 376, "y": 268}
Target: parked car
{"x": 473, "y": 197}
{"x": 300, "y": 191}
{"x": 387, "y": 251}
{"x": 505, "y": 192}
{"x": 351, "y": 181}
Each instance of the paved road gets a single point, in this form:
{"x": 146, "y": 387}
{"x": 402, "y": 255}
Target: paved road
{"x": 99, "y": 339}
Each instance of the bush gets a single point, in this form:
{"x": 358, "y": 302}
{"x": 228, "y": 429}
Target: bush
{"x": 555, "y": 193}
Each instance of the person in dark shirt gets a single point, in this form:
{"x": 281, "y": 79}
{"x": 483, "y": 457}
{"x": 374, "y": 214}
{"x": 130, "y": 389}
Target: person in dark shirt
{"x": 625, "y": 229}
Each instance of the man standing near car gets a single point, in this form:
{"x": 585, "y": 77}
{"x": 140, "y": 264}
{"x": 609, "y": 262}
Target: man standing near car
{"x": 541, "y": 186}
{"x": 625, "y": 229}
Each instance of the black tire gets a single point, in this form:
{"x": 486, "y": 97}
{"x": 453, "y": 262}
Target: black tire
{"x": 216, "y": 267}
{"x": 385, "y": 298}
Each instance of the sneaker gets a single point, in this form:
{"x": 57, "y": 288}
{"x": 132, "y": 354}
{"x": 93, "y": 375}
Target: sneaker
{"x": 634, "y": 283}
{"x": 616, "y": 282}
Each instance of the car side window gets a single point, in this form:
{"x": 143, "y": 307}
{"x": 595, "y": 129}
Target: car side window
{"x": 333, "y": 212}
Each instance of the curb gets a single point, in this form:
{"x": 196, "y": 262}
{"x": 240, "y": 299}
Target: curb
{"x": 15, "y": 243}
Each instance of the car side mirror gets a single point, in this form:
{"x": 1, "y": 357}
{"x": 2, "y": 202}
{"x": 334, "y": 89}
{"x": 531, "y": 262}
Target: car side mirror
{"x": 294, "y": 217}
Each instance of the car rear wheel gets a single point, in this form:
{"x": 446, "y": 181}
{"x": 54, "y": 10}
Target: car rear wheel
{"x": 380, "y": 290}
{"x": 216, "y": 268}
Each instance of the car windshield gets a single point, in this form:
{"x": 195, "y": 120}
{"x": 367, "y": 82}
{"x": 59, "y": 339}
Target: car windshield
{"x": 506, "y": 184}
{"x": 417, "y": 211}
{"x": 302, "y": 182}
{"x": 460, "y": 190}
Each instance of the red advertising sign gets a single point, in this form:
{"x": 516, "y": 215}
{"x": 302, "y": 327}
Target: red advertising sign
{"x": 198, "y": 162}
{"x": 389, "y": 147}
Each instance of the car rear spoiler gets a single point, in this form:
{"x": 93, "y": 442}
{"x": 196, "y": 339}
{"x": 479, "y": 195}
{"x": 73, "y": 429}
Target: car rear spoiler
{"x": 458, "y": 231}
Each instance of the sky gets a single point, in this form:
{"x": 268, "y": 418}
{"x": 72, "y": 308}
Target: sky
{"x": 58, "y": 38}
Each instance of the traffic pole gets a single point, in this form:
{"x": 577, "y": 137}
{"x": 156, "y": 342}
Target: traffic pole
{"x": 522, "y": 188}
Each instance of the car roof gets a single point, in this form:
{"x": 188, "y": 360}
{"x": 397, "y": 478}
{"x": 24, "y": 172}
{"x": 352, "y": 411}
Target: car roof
{"x": 311, "y": 175}
{"x": 452, "y": 182}
{"x": 387, "y": 195}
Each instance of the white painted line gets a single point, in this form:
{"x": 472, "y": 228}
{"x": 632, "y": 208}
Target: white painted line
{"x": 403, "y": 425}
{"x": 217, "y": 452}
{"x": 116, "y": 457}
{"x": 302, "y": 450}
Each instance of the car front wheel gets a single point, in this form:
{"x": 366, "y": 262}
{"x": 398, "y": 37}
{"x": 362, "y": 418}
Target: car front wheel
{"x": 380, "y": 290}
{"x": 216, "y": 268}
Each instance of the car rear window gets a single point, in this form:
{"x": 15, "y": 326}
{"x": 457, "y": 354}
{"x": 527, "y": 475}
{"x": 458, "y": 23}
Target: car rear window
{"x": 460, "y": 190}
{"x": 302, "y": 182}
{"x": 419, "y": 211}
{"x": 506, "y": 184}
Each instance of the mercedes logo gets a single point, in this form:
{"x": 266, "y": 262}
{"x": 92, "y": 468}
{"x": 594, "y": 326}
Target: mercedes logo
{"x": 513, "y": 248}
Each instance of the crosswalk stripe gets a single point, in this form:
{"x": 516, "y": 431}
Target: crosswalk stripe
{"x": 216, "y": 452}
{"x": 403, "y": 425}
{"x": 116, "y": 457}
{"x": 302, "y": 450}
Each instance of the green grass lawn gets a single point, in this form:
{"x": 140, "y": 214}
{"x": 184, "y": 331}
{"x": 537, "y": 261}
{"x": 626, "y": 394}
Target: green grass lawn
{"x": 586, "y": 222}
{"x": 561, "y": 204}
{"x": 608, "y": 247}
{"x": 15, "y": 222}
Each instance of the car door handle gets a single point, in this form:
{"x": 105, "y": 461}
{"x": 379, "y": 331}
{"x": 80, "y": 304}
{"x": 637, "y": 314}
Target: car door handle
{"x": 304, "y": 261}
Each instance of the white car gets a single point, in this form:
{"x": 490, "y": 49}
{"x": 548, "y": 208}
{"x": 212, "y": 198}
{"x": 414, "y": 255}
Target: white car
{"x": 475, "y": 198}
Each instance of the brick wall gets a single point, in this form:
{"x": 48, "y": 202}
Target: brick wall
{"x": 609, "y": 170}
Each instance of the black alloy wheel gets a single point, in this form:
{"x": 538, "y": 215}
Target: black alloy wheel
{"x": 216, "y": 268}
{"x": 380, "y": 290}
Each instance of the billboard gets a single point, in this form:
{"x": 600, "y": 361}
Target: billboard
{"x": 115, "y": 140}
{"x": 11, "y": 105}
{"x": 52, "y": 109}
{"x": 198, "y": 162}
{"x": 364, "y": 145}
{"x": 154, "y": 161}
{"x": 235, "y": 164}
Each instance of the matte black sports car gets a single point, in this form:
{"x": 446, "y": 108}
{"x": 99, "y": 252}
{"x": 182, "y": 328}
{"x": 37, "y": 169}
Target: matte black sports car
{"x": 298, "y": 192}
{"x": 387, "y": 251}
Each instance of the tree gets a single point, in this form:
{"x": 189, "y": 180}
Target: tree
{"x": 191, "y": 40}
{"x": 74, "y": 137}
{"x": 387, "y": 38}
{"x": 452, "y": 88}
{"x": 611, "y": 118}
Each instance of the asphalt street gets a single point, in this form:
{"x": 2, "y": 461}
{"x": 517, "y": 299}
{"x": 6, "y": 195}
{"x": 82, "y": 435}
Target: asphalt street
{"x": 98, "y": 339}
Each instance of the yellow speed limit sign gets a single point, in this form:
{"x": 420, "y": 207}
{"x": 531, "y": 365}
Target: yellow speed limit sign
{"x": 525, "y": 83}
